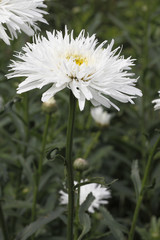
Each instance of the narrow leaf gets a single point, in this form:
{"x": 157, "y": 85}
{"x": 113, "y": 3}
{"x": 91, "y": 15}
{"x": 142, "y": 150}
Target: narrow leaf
{"x": 136, "y": 178}
{"x": 84, "y": 217}
{"x": 114, "y": 226}
{"x": 144, "y": 233}
{"x": 33, "y": 227}
{"x": 98, "y": 180}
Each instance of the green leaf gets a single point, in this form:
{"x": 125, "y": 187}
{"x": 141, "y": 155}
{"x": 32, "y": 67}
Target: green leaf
{"x": 84, "y": 217}
{"x": 122, "y": 26}
{"x": 53, "y": 238}
{"x": 98, "y": 180}
{"x": 33, "y": 227}
{"x": 8, "y": 106}
{"x": 113, "y": 225}
{"x": 143, "y": 233}
{"x": 55, "y": 154}
{"x": 136, "y": 178}
{"x": 17, "y": 204}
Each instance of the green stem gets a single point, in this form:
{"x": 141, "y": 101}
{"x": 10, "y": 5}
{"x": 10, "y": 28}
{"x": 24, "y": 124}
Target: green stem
{"x": 69, "y": 165}
{"x": 26, "y": 119}
{"x": 92, "y": 145}
{"x": 3, "y": 224}
{"x": 77, "y": 206}
{"x": 140, "y": 198}
{"x": 145, "y": 81}
{"x": 40, "y": 163}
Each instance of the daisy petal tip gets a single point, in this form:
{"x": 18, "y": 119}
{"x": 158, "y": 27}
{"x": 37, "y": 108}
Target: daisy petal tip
{"x": 18, "y": 16}
{"x": 46, "y": 97}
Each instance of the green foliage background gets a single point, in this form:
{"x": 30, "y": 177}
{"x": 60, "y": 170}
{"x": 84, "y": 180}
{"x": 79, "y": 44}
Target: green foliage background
{"x": 135, "y": 25}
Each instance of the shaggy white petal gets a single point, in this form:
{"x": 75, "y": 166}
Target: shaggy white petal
{"x": 157, "y": 103}
{"x": 91, "y": 71}
{"x": 100, "y": 193}
{"x": 20, "y": 15}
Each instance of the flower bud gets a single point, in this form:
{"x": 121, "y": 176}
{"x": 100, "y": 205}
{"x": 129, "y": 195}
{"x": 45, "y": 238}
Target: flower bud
{"x": 49, "y": 106}
{"x": 80, "y": 164}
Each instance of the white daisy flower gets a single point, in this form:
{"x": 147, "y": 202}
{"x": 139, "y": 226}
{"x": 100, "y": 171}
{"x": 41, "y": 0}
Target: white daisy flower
{"x": 20, "y": 15}
{"x": 91, "y": 71}
{"x": 157, "y": 102}
{"x": 100, "y": 193}
{"x": 100, "y": 116}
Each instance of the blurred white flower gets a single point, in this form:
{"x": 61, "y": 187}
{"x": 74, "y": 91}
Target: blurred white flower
{"x": 157, "y": 103}
{"x": 100, "y": 116}
{"x": 92, "y": 72}
{"x": 100, "y": 193}
{"x": 20, "y": 15}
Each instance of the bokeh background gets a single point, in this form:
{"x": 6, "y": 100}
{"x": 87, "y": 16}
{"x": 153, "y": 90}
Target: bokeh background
{"x": 110, "y": 151}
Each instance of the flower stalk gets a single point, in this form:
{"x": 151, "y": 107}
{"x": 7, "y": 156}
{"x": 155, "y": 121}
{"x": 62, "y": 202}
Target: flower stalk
{"x": 3, "y": 224}
{"x": 69, "y": 166}
{"x": 77, "y": 206}
{"x": 26, "y": 118}
{"x": 141, "y": 195}
{"x": 40, "y": 163}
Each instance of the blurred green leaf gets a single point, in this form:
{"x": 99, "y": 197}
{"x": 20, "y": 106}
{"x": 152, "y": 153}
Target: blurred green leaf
{"x": 143, "y": 233}
{"x": 115, "y": 227}
{"x": 136, "y": 178}
{"x": 52, "y": 238}
{"x": 33, "y": 227}
{"x": 17, "y": 204}
{"x": 98, "y": 180}
{"x": 84, "y": 218}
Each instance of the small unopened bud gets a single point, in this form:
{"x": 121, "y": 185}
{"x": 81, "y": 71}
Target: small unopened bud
{"x": 49, "y": 106}
{"x": 80, "y": 164}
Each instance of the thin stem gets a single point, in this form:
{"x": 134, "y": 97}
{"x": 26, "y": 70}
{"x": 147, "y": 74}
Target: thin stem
{"x": 26, "y": 119}
{"x": 92, "y": 145}
{"x": 140, "y": 198}
{"x": 3, "y": 224}
{"x": 69, "y": 165}
{"x": 77, "y": 206}
{"x": 48, "y": 118}
{"x": 40, "y": 163}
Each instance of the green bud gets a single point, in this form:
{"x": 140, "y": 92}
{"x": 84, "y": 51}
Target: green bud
{"x": 80, "y": 164}
{"x": 49, "y": 106}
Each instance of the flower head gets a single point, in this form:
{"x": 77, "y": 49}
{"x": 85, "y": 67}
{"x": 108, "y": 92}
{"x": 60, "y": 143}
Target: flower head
{"x": 20, "y": 15}
{"x": 100, "y": 116}
{"x": 157, "y": 103}
{"x": 91, "y": 71}
{"x": 100, "y": 193}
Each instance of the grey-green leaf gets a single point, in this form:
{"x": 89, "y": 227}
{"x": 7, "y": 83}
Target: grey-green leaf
{"x": 33, "y": 227}
{"x": 84, "y": 217}
{"x": 114, "y": 226}
{"x": 136, "y": 178}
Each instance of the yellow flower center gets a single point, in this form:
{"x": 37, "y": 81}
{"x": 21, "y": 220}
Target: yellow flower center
{"x": 79, "y": 60}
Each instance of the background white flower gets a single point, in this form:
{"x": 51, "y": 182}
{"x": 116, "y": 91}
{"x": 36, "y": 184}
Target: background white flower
{"x": 20, "y": 15}
{"x": 100, "y": 116}
{"x": 157, "y": 103}
{"x": 100, "y": 193}
{"x": 92, "y": 72}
